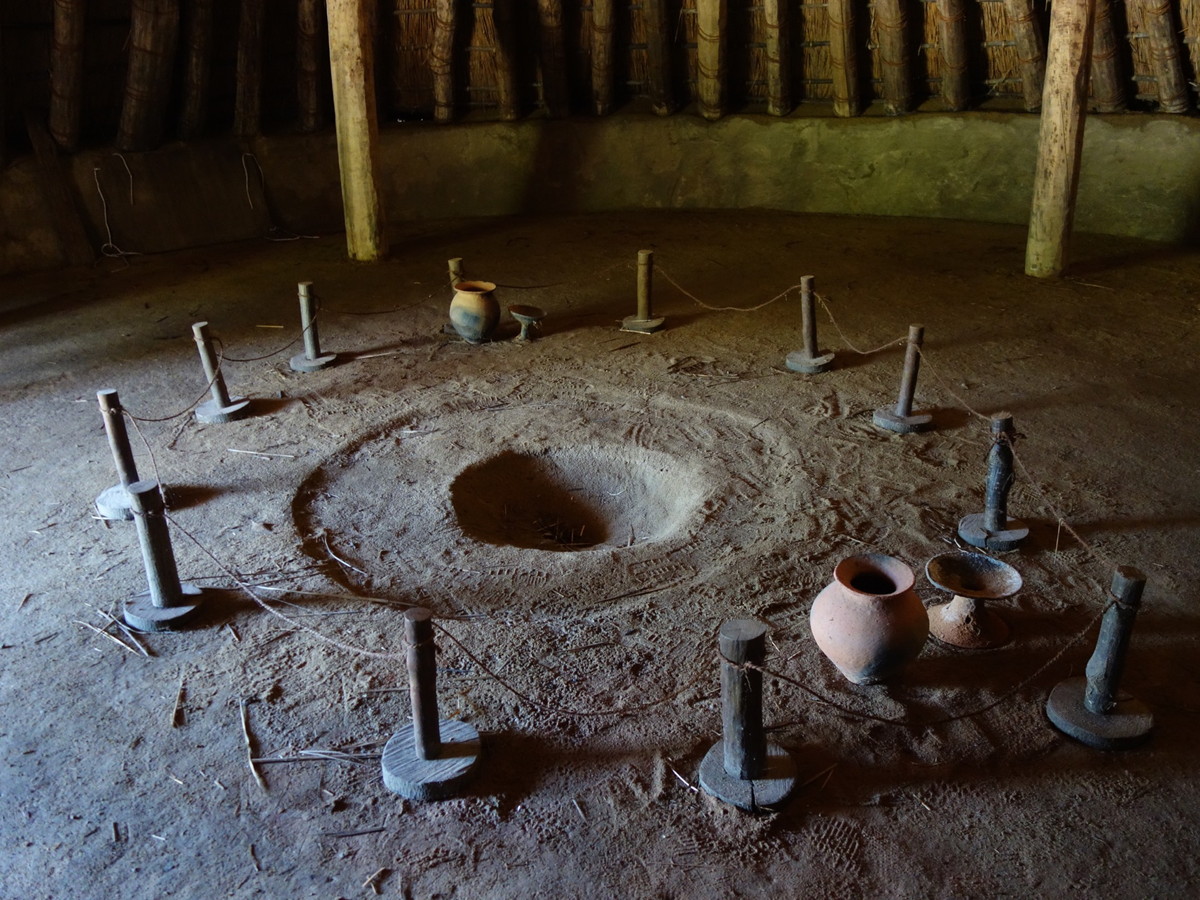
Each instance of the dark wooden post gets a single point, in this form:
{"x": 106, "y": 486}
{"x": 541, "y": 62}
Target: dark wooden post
{"x": 310, "y": 37}
{"x": 710, "y": 57}
{"x": 892, "y": 18}
{"x": 1108, "y": 84}
{"x": 247, "y": 103}
{"x": 658, "y": 56}
{"x": 509, "y": 97}
{"x": 779, "y": 57}
{"x": 743, "y": 644}
{"x": 441, "y": 60}
{"x": 1107, "y": 664}
{"x": 153, "y": 31}
{"x": 66, "y": 72}
{"x": 1060, "y": 141}
{"x": 843, "y": 53}
{"x": 1158, "y": 21}
{"x": 352, "y": 66}
{"x": 552, "y": 58}
{"x": 197, "y": 42}
{"x": 952, "y": 34}
{"x": 1031, "y": 49}
{"x": 602, "y": 56}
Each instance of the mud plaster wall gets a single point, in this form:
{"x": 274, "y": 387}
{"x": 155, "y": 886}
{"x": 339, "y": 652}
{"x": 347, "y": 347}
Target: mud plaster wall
{"x": 1141, "y": 176}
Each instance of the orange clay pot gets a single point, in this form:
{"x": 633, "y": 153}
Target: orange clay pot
{"x": 474, "y": 311}
{"x": 869, "y": 620}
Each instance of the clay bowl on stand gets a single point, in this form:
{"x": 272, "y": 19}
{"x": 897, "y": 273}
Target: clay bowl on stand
{"x": 972, "y": 578}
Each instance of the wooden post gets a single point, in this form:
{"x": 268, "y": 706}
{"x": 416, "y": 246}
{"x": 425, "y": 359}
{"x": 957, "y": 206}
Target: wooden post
{"x": 1031, "y": 49}
{"x": 1060, "y": 141}
{"x": 309, "y": 39}
{"x": 1108, "y": 84}
{"x": 441, "y": 60}
{"x": 197, "y": 42}
{"x": 710, "y": 57}
{"x": 743, "y": 642}
{"x": 352, "y": 64}
{"x": 843, "y": 53}
{"x": 602, "y": 56}
{"x": 153, "y": 30}
{"x": 1158, "y": 21}
{"x": 247, "y": 102}
{"x": 552, "y": 58}
{"x": 892, "y": 18}
{"x": 779, "y": 58}
{"x": 952, "y": 34}
{"x": 66, "y": 72}
{"x": 508, "y": 95}
{"x": 658, "y": 57}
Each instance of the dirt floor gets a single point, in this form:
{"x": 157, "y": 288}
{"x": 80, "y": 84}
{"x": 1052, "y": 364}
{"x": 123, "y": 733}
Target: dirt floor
{"x": 581, "y": 513}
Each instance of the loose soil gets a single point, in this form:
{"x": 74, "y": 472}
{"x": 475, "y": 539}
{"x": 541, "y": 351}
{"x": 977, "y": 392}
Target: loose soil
{"x": 581, "y": 512}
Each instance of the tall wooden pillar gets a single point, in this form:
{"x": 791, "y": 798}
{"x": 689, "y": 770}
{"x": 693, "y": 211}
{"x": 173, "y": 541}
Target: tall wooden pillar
{"x": 441, "y": 60}
{"x": 66, "y": 72}
{"x": 1031, "y": 49}
{"x": 779, "y": 58}
{"x": 352, "y": 64}
{"x": 602, "y": 56}
{"x": 247, "y": 100}
{"x": 1108, "y": 83}
{"x": 310, "y": 27}
{"x": 952, "y": 35}
{"x": 153, "y": 31}
{"x": 1166, "y": 52}
{"x": 710, "y": 57}
{"x": 552, "y": 58}
{"x": 843, "y": 57}
{"x": 197, "y": 43}
{"x": 894, "y": 63}
{"x": 1060, "y": 142}
{"x": 658, "y": 57}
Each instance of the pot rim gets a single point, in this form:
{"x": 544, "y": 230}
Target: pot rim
{"x": 474, "y": 287}
{"x": 896, "y": 570}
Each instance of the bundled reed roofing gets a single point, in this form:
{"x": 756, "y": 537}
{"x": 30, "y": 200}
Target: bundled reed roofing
{"x": 143, "y": 72}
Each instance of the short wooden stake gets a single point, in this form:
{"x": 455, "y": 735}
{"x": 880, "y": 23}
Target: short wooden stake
{"x": 312, "y": 358}
{"x": 993, "y": 529}
{"x": 455, "y": 268}
{"x": 901, "y": 418}
{"x": 167, "y": 602}
{"x": 114, "y": 502}
{"x": 744, "y": 769}
{"x": 645, "y": 322}
{"x": 432, "y": 758}
{"x": 1093, "y": 710}
{"x": 808, "y": 359}
{"x": 221, "y": 408}
{"x": 1060, "y": 140}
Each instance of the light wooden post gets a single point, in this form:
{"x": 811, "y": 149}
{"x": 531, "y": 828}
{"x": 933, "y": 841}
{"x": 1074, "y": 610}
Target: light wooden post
{"x": 153, "y": 31}
{"x": 441, "y": 60}
{"x": 310, "y": 23}
{"x": 658, "y": 57}
{"x": 1060, "y": 142}
{"x": 66, "y": 72}
{"x": 1031, "y": 49}
{"x": 352, "y": 64}
{"x": 1158, "y": 21}
{"x": 952, "y": 34}
{"x": 710, "y": 57}
{"x": 197, "y": 42}
{"x": 895, "y": 67}
{"x": 552, "y": 58}
{"x": 247, "y": 101}
{"x": 1108, "y": 84}
{"x": 843, "y": 54}
{"x": 779, "y": 58}
{"x": 602, "y": 56}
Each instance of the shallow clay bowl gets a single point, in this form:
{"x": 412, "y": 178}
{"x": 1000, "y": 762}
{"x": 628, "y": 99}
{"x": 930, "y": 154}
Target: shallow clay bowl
{"x": 973, "y": 575}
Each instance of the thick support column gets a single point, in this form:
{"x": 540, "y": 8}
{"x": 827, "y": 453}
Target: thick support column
{"x": 508, "y": 94}
{"x": 952, "y": 34}
{"x": 602, "y": 56}
{"x": 310, "y": 35}
{"x": 658, "y": 56}
{"x": 352, "y": 63}
{"x": 552, "y": 58}
{"x": 895, "y": 65}
{"x": 1031, "y": 49}
{"x": 197, "y": 47}
{"x": 441, "y": 60}
{"x": 710, "y": 57}
{"x": 1158, "y": 21}
{"x": 66, "y": 72}
{"x": 1108, "y": 81}
{"x": 779, "y": 58}
{"x": 843, "y": 53}
{"x": 1060, "y": 142}
{"x": 247, "y": 103}
{"x": 153, "y": 32}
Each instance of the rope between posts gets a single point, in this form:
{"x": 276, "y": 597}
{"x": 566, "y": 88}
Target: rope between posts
{"x": 195, "y": 403}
